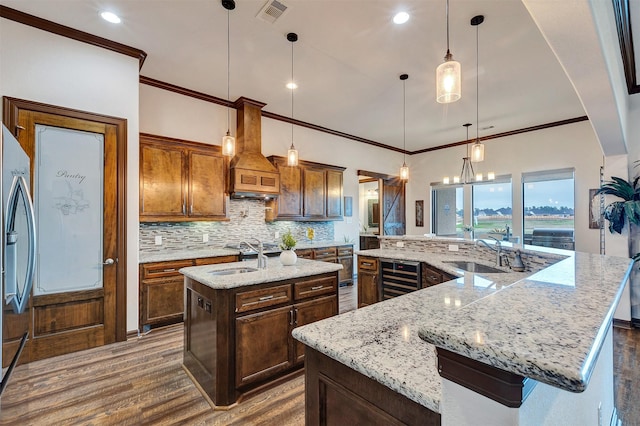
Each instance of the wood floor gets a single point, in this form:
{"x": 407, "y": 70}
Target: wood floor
{"x": 141, "y": 382}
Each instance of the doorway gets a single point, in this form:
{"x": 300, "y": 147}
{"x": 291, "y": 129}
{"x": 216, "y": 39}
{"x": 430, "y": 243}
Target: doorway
{"x": 78, "y": 182}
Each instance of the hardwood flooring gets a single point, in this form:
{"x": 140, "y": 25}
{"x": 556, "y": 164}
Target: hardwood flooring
{"x": 141, "y": 382}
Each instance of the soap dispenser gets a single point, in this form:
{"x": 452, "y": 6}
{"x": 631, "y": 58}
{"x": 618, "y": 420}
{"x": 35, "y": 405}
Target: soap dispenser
{"x": 518, "y": 264}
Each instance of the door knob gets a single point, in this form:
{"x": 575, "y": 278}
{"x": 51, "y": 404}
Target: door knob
{"x": 109, "y": 261}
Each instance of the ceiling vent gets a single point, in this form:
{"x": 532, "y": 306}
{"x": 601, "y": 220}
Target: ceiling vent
{"x": 272, "y": 10}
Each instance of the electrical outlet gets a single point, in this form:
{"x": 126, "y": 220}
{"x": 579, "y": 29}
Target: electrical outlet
{"x": 453, "y": 247}
{"x": 276, "y": 235}
{"x": 205, "y": 238}
{"x": 158, "y": 240}
{"x": 400, "y": 244}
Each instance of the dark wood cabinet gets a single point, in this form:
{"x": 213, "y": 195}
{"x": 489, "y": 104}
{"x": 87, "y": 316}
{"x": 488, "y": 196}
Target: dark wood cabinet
{"x": 433, "y": 276}
{"x": 181, "y": 180}
{"x": 345, "y": 258}
{"x": 239, "y": 339}
{"x": 368, "y": 281}
{"x": 333, "y": 254}
{"x": 161, "y": 290}
{"x": 308, "y": 192}
{"x": 368, "y": 242}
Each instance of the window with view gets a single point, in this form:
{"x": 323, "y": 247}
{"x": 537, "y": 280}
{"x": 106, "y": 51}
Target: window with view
{"x": 492, "y": 209}
{"x": 548, "y": 208}
{"x": 448, "y": 211}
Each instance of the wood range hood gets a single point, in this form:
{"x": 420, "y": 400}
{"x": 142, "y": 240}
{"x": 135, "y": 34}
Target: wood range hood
{"x": 251, "y": 174}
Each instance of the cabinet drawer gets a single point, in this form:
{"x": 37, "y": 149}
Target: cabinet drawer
{"x": 431, "y": 276}
{"x": 164, "y": 269}
{"x": 214, "y": 260}
{"x": 368, "y": 263}
{"x": 305, "y": 253}
{"x": 345, "y": 251}
{"x": 324, "y": 253}
{"x": 312, "y": 288}
{"x": 257, "y": 299}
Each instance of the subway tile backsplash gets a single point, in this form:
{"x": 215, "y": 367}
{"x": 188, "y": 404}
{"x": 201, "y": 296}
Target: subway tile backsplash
{"x": 246, "y": 221}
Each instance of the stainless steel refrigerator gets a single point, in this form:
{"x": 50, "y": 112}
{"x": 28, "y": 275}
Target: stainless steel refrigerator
{"x": 18, "y": 248}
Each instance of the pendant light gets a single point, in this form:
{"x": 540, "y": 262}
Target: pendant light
{"x": 448, "y": 75}
{"x": 467, "y": 174}
{"x": 228, "y": 141}
{"x": 292, "y": 154}
{"x": 404, "y": 170}
{"x": 477, "y": 150}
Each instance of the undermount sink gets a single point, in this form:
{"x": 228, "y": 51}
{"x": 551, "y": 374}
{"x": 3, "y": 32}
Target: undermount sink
{"x": 232, "y": 271}
{"x": 473, "y": 266}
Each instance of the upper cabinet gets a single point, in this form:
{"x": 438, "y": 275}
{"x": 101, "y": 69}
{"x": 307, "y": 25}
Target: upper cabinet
{"x": 180, "y": 180}
{"x": 309, "y": 191}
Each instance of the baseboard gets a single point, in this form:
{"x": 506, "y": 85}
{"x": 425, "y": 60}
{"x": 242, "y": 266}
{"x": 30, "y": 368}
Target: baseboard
{"x": 622, "y": 323}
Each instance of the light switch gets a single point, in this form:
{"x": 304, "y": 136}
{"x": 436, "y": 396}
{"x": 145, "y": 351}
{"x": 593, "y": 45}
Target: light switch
{"x": 158, "y": 240}
{"x": 205, "y": 238}
{"x": 453, "y": 247}
{"x": 400, "y": 244}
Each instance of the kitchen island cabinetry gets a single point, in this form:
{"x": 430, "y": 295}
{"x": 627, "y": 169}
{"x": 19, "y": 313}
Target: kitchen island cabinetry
{"x": 238, "y": 336}
{"x": 309, "y": 192}
{"x": 181, "y": 180}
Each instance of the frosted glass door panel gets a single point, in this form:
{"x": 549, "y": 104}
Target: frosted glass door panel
{"x": 69, "y": 210}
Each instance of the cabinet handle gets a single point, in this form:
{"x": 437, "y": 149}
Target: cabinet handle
{"x": 295, "y": 316}
{"x": 263, "y": 298}
{"x": 191, "y": 209}
{"x": 318, "y": 287}
{"x": 169, "y": 270}
{"x": 290, "y": 316}
{"x": 184, "y": 208}
{"x": 367, "y": 264}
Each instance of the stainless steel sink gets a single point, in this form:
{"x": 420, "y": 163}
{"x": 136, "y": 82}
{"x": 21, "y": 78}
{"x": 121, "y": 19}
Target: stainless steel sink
{"x": 232, "y": 271}
{"x": 473, "y": 266}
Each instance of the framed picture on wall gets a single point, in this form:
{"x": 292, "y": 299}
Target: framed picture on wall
{"x": 419, "y": 212}
{"x": 595, "y": 218}
{"x": 348, "y": 206}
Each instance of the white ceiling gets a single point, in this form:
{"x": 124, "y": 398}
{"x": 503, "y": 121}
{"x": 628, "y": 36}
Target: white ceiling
{"x": 347, "y": 60}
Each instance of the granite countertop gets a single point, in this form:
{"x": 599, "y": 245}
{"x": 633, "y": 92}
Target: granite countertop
{"x": 275, "y": 272}
{"x": 548, "y": 325}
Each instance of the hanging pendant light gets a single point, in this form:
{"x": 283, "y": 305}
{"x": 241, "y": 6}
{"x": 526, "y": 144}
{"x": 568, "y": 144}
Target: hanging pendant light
{"x": 477, "y": 150}
{"x": 292, "y": 154}
{"x": 448, "y": 79}
{"x": 228, "y": 141}
{"x": 467, "y": 175}
{"x": 404, "y": 170}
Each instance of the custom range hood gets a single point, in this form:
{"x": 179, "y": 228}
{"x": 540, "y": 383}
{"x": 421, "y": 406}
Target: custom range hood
{"x": 251, "y": 174}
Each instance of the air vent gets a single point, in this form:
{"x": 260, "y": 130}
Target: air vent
{"x": 272, "y": 10}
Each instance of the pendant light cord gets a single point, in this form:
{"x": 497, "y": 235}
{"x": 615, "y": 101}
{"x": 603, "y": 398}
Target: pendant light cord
{"x": 228, "y": 65}
{"x": 292, "y": 89}
{"x": 447, "y": 12}
{"x": 404, "y": 121}
{"x": 477, "y": 86}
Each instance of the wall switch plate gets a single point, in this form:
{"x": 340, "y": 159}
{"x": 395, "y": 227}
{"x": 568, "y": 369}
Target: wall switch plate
{"x": 453, "y": 247}
{"x": 276, "y": 235}
{"x": 400, "y": 244}
{"x": 205, "y": 238}
{"x": 158, "y": 240}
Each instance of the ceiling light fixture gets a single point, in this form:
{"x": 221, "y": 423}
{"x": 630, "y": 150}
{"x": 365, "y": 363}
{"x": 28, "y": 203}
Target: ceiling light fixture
{"x": 111, "y": 17}
{"x": 404, "y": 170}
{"x": 401, "y": 18}
{"x": 448, "y": 75}
{"x": 292, "y": 154}
{"x": 228, "y": 141}
{"x": 477, "y": 150}
{"x": 292, "y": 85}
{"x": 467, "y": 174}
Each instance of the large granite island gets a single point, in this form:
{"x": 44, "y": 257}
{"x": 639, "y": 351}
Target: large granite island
{"x": 238, "y": 322}
{"x": 502, "y": 348}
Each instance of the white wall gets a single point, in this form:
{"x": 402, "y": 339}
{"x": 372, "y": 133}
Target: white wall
{"x": 39, "y": 66}
{"x": 573, "y": 145}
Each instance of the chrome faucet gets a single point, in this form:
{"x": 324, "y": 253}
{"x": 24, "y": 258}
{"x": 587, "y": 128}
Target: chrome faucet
{"x": 262, "y": 259}
{"x": 497, "y": 247}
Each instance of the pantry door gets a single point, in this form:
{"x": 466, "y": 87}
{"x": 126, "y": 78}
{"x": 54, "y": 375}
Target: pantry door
{"x": 78, "y": 299}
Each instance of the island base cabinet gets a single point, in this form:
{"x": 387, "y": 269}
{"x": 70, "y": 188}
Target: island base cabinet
{"x": 308, "y": 312}
{"x": 337, "y": 395}
{"x": 368, "y": 286}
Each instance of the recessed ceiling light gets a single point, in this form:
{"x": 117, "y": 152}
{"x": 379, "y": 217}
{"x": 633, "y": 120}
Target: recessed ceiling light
{"x": 401, "y": 18}
{"x": 292, "y": 86}
{"x": 111, "y": 17}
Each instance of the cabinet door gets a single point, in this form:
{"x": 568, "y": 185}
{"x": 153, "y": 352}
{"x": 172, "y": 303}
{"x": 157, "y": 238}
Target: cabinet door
{"x": 206, "y": 185}
{"x": 162, "y": 300}
{"x": 162, "y": 182}
{"x": 314, "y": 193}
{"x": 334, "y": 194}
{"x": 367, "y": 288}
{"x": 312, "y": 311}
{"x": 346, "y": 273}
{"x": 263, "y": 344}
{"x": 290, "y": 200}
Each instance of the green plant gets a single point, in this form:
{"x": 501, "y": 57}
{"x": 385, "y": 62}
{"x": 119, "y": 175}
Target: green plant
{"x": 618, "y": 213}
{"x": 288, "y": 242}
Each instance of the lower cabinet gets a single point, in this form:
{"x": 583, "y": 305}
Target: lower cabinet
{"x": 161, "y": 290}
{"x": 340, "y": 254}
{"x": 368, "y": 281}
{"x": 239, "y": 339}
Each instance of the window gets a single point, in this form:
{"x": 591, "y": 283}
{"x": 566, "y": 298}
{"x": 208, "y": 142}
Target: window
{"x": 448, "y": 212}
{"x": 492, "y": 209}
{"x": 548, "y": 208}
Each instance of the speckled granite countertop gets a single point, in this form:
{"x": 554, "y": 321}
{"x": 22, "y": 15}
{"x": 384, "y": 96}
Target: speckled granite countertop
{"x": 275, "y": 272}
{"x": 547, "y": 325}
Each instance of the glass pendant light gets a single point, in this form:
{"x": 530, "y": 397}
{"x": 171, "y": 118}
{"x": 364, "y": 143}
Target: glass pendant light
{"x": 477, "y": 150}
{"x": 467, "y": 175}
{"x": 404, "y": 170}
{"x": 448, "y": 79}
{"x": 228, "y": 141}
{"x": 292, "y": 154}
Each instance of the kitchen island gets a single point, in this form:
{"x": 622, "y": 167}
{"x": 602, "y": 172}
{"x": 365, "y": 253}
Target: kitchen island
{"x": 546, "y": 335}
{"x": 238, "y": 322}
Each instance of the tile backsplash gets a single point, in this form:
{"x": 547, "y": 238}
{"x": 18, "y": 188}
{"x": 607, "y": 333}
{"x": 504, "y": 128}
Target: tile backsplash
{"x": 246, "y": 221}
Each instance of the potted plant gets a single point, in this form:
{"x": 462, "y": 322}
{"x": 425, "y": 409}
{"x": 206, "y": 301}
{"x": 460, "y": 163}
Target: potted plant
{"x": 288, "y": 256}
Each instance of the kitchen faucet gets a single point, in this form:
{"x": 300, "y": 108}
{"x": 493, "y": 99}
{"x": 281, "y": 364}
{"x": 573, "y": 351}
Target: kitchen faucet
{"x": 262, "y": 259}
{"x": 497, "y": 247}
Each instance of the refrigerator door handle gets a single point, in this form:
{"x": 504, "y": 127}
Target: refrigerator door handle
{"x": 19, "y": 192}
